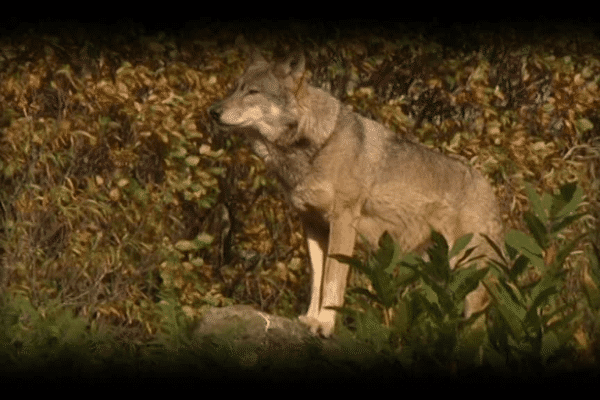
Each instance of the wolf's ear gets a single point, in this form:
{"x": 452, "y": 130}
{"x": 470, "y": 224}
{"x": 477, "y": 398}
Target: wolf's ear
{"x": 293, "y": 66}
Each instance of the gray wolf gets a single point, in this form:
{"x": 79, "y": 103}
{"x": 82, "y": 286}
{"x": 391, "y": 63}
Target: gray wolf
{"x": 347, "y": 175}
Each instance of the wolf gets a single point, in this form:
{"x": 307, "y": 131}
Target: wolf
{"x": 349, "y": 176}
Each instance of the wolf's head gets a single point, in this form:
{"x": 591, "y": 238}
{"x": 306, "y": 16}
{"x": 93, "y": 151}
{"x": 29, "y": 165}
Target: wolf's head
{"x": 265, "y": 99}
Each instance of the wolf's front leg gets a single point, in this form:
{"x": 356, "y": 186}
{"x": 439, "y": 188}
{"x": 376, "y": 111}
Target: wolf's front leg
{"x": 342, "y": 236}
{"x": 317, "y": 244}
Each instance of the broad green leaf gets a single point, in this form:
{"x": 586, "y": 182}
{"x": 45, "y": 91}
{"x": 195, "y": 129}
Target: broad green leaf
{"x": 519, "y": 266}
{"x": 573, "y": 195}
{"x": 383, "y": 285}
{"x": 592, "y": 285}
{"x": 365, "y": 293}
{"x": 567, "y": 190}
{"x": 465, "y": 281}
{"x": 439, "y": 240}
{"x": 460, "y": 244}
{"x": 594, "y": 256}
{"x": 532, "y": 316}
{"x": 564, "y": 222}
{"x": 461, "y": 261}
{"x": 584, "y": 125}
{"x": 536, "y": 203}
{"x": 537, "y": 229}
{"x": 550, "y": 344}
{"x": 592, "y": 293}
{"x": 566, "y": 201}
{"x": 192, "y": 161}
{"x": 411, "y": 260}
{"x": 564, "y": 252}
{"x": 495, "y": 247}
{"x": 204, "y": 238}
{"x": 405, "y": 276}
{"x": 387, "y": 251}
{"x": 186, "y": 245}
{"x": 565, "y": 316}
{"x": 353, "y": 262}
{"x": 547, "y": 201}
{"x": 527, "y": 246}
{"x": 438, "y": 266}
{"x": 513, "y": 292}
{"x": 540, "y": 292}
{"x": 431, "y": 307}
{"x": 402, "y": 316}
{"x": 511, "y": 251}
{"x": 511, "y": 312}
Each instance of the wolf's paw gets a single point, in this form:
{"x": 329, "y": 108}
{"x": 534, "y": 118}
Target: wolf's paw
{"x": 311, "y": 323}
{"x": 322, "y": 325}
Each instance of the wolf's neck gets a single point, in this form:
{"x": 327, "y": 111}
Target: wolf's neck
{"x": 319, "y": 113}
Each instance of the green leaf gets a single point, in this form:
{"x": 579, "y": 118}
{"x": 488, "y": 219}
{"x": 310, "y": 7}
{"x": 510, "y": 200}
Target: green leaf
{"x": 192, "y": 161}
{"x": 568, "y": 190}
{"x": 495, "y": 247}
{"x": 564, "y": 222}
{"x": 527, "y": 246}
{"x": 382, "y": 283}
{"x": 468, "y": 252}
{"x": 430, "y": 304}
{"x": 584, "y": 125}
{"x": 564, "y": 252}
{"x": 594, "y": 256}
{"x": 439, "y": 241}
{"x": 402, "y": 316}
{"x": 511, "y": 312}
{"x": 411, "y": 260}
{"x": 550, "y": 344}
{"x": 366, "y": 293}
{"x": 186, "y": 245}
{"x": 370, "y": 328}
{"x": 499, "y": 338}
{"x": 465, "y": 281}
{"x": 541, "y": 292}
{"x": 574, "y": 199}
{"x": 511, "y": 251}
{"x": 536, "y": 204}
{"x": 565, "y": 317}
{"x": 592, "y": 286}
{"x": 592, "y": 293}
{"x": 438, "y": 266}
{"x": 566, "y": 201}
{"x": 537, "y": 229}
{"x": 353, "y": 262}
{"x": 513, "y": 291}
{"x": 460, "y": 244}
{"x": 519, "y": 266}
{"x": 473, "y": 260}
{"x": 387, "y": 251}
{"x": 204, "y": 239}
{"x": 547, "y": 201}
{"x": 405, "y": 276}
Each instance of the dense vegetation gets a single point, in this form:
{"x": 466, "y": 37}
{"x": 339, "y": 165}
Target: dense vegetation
{"x": 125, "y": 215}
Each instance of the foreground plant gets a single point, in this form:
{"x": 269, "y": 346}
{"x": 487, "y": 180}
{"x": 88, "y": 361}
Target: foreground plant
{"x": 415, "y": 304}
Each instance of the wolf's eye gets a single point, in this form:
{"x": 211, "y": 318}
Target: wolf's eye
{"x": 252, "y": 91}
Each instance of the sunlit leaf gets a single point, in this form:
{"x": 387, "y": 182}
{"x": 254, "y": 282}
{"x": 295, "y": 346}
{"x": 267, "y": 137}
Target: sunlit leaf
{"x": 460, "y": 244}
{"x": 539, "y": 209}
{"x": 527, "y": 246}
{"x": 537, "y": 229}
